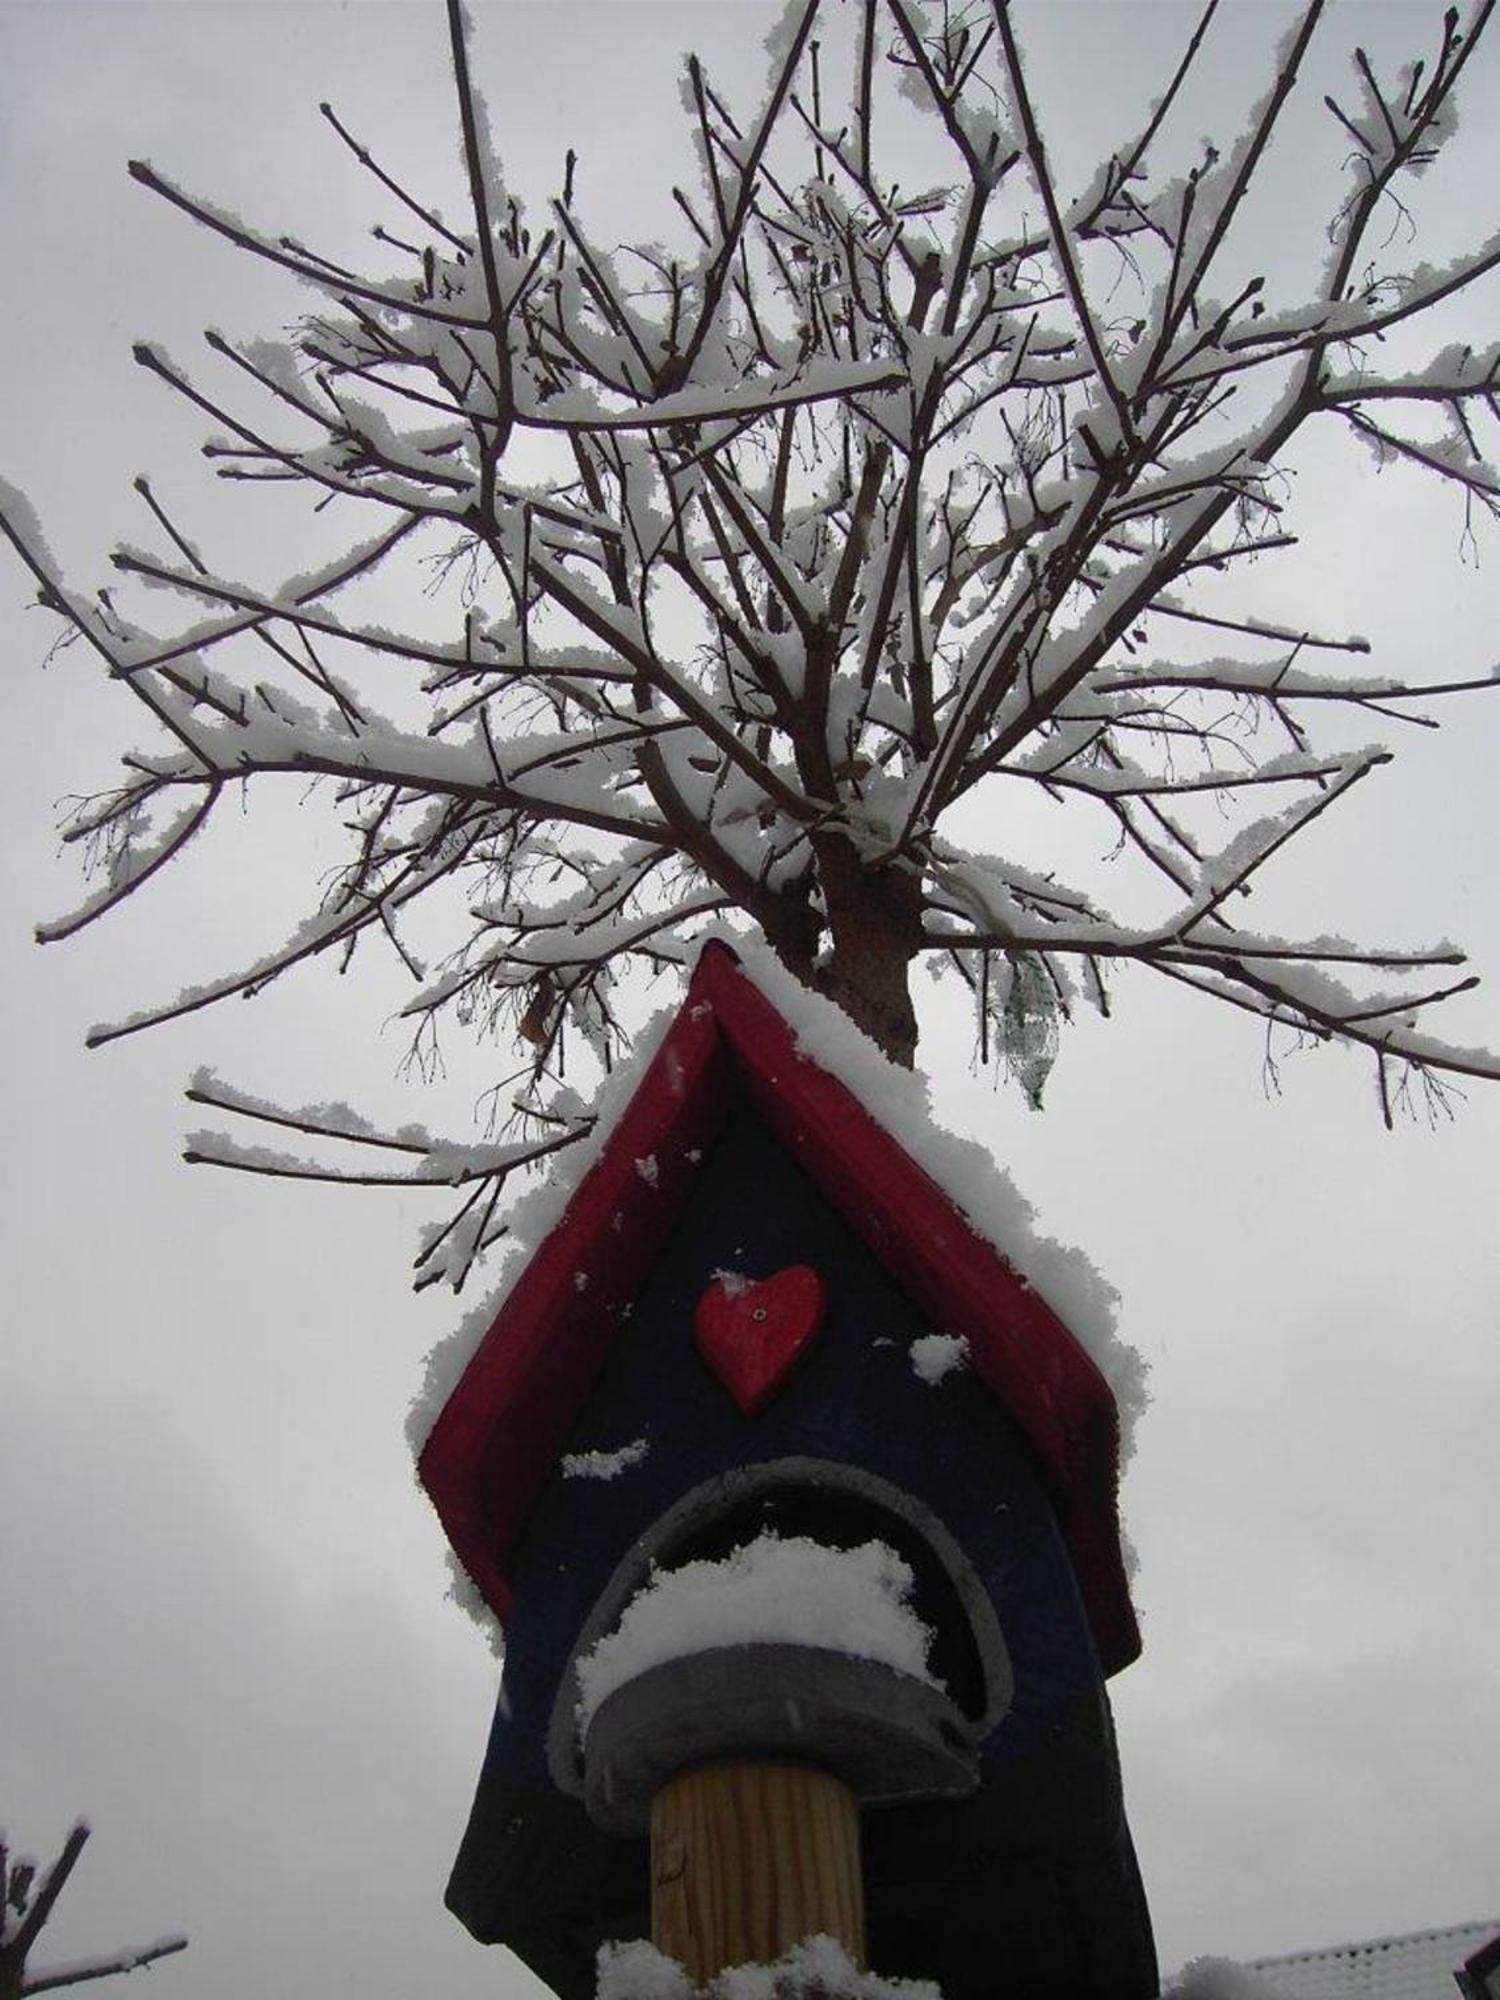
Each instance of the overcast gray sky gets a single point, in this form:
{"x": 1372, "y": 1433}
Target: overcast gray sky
{"x": 225, "y": 1635}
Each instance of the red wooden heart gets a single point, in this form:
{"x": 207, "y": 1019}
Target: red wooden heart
{"x": 752, "y": 1331}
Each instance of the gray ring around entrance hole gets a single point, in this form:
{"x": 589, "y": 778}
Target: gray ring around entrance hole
{"x": 914, "y": 1524}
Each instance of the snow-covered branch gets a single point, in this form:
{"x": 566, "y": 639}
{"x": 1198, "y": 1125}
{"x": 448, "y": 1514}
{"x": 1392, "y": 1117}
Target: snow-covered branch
{"x": 25, "y": 1907}
{"x": 850, "y": 504}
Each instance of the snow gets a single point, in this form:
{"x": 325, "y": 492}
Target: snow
{"x": 604, "y": 1464}
{"x": 714, "y": 403}
{"x": 633, "y": 1969}
{"x": 817, "y": 1965}
{"x": 788, "y": 1589}
{"x": 1414, "y": 1965}
{"x": 1220, "y": 1979}
{"x": 530, "y": 1221}
{"x": 138, "y": 856}
{"x": 73, "y": 1972}
{"x": 323, "y": 280}
{"x": 19, "y": 522}
{"x": 937, "y": 1355}
{"x": 636, "y": 1970}
{"x": 987, "y": 1196}
{"x": 334, "y": 1117}
{"x": 1458, "y": 367}
{"x": 465, "y": 1593}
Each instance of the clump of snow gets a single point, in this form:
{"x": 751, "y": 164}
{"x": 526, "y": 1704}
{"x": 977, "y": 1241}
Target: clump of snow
{"x": 633, "y": 1969}
{"x": 636, "y": 1970}
{"x": 789, "y": 1589}
{"x": 604, "y": 1464}
{"x": 1219, "y": 1979}
{"x": 648, "y": 1170}
{"x": 25, "y": 530}
{"x": 817, "y": 1965}
{"x": 936, "y": 1355}
{"x": 465, "y": 1593}
{"x": 733, "y": 1283}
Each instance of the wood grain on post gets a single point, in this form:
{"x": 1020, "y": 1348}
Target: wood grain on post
{"x": 749, "y": 1859}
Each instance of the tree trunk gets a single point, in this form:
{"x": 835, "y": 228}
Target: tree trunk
{"x": 875, "y": 923}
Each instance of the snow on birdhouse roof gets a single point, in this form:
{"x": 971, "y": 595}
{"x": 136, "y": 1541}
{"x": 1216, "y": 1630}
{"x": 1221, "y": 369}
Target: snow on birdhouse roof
{"x": 1418, "y": 1966}
{"x": 948, "y": 1225}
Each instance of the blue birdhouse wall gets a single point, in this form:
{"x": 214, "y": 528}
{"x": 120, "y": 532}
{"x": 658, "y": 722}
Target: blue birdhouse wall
{"x": 1002, "y": 1503}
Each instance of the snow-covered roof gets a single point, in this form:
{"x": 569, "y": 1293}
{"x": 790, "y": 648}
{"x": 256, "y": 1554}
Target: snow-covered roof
{"x": 1419, "y": 1966}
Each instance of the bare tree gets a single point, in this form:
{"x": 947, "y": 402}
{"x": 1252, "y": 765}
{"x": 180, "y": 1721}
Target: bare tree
{"x": 783, "y": 559}
{"x": 25, "y": 1906}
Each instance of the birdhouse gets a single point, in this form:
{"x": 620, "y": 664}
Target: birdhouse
{"x": 759, "y": 1325}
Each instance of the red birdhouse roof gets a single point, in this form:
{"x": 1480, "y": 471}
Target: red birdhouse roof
{"x": 506, "y": 1422}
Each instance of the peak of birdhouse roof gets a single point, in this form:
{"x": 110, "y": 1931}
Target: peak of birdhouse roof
{"x": 933, "y": 1210}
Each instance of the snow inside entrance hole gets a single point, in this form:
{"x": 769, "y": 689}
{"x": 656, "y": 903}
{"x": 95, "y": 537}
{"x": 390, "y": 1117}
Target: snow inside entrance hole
{"x": 790, "y": 1590}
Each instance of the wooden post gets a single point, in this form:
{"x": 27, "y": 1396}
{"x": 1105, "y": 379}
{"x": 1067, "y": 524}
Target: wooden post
{"x": 748, "y": 1859}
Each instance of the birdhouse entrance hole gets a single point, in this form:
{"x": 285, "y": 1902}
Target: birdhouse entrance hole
{"x": 838, "y": 1506}
{"x": 825, "y": 1510}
